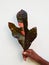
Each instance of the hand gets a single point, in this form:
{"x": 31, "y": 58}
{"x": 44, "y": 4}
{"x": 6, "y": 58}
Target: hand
{"x": 29, "y": 53}
{"x": 33, "y": 55}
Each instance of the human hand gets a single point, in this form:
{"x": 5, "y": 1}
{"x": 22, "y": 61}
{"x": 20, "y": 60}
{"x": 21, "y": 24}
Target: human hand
{"x": 28, "y": 53}
{"x": 33, "y": 55}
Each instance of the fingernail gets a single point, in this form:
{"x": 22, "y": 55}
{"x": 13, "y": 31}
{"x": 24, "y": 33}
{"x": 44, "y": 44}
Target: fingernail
{"x": 24, "y": 52}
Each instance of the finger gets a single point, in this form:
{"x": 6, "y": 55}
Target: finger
{"x": 24, "y": 57}
{"x": 25, "y": 53}
{"x": 29, "y": 50}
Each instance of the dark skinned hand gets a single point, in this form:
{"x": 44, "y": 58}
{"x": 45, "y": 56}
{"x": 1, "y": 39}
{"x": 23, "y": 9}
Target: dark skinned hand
{"x": 33, "y": 55}
{"x": 29, "y": 53}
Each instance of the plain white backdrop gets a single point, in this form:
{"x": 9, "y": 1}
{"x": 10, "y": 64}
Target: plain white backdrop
{"x": 38, "y": 15}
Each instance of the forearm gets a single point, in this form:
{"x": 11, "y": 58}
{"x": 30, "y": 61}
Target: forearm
{"x": 39, "y": 59}
{"x": 43, "y": 61}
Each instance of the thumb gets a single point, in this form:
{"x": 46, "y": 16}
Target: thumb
{"x": 25, "y": 53}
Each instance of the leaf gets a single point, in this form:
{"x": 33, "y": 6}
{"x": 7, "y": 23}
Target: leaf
{"x": 16, "y": 32}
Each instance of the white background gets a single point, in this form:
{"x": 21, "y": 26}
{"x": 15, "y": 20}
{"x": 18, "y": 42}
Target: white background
{"x": 38, "y": 15}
